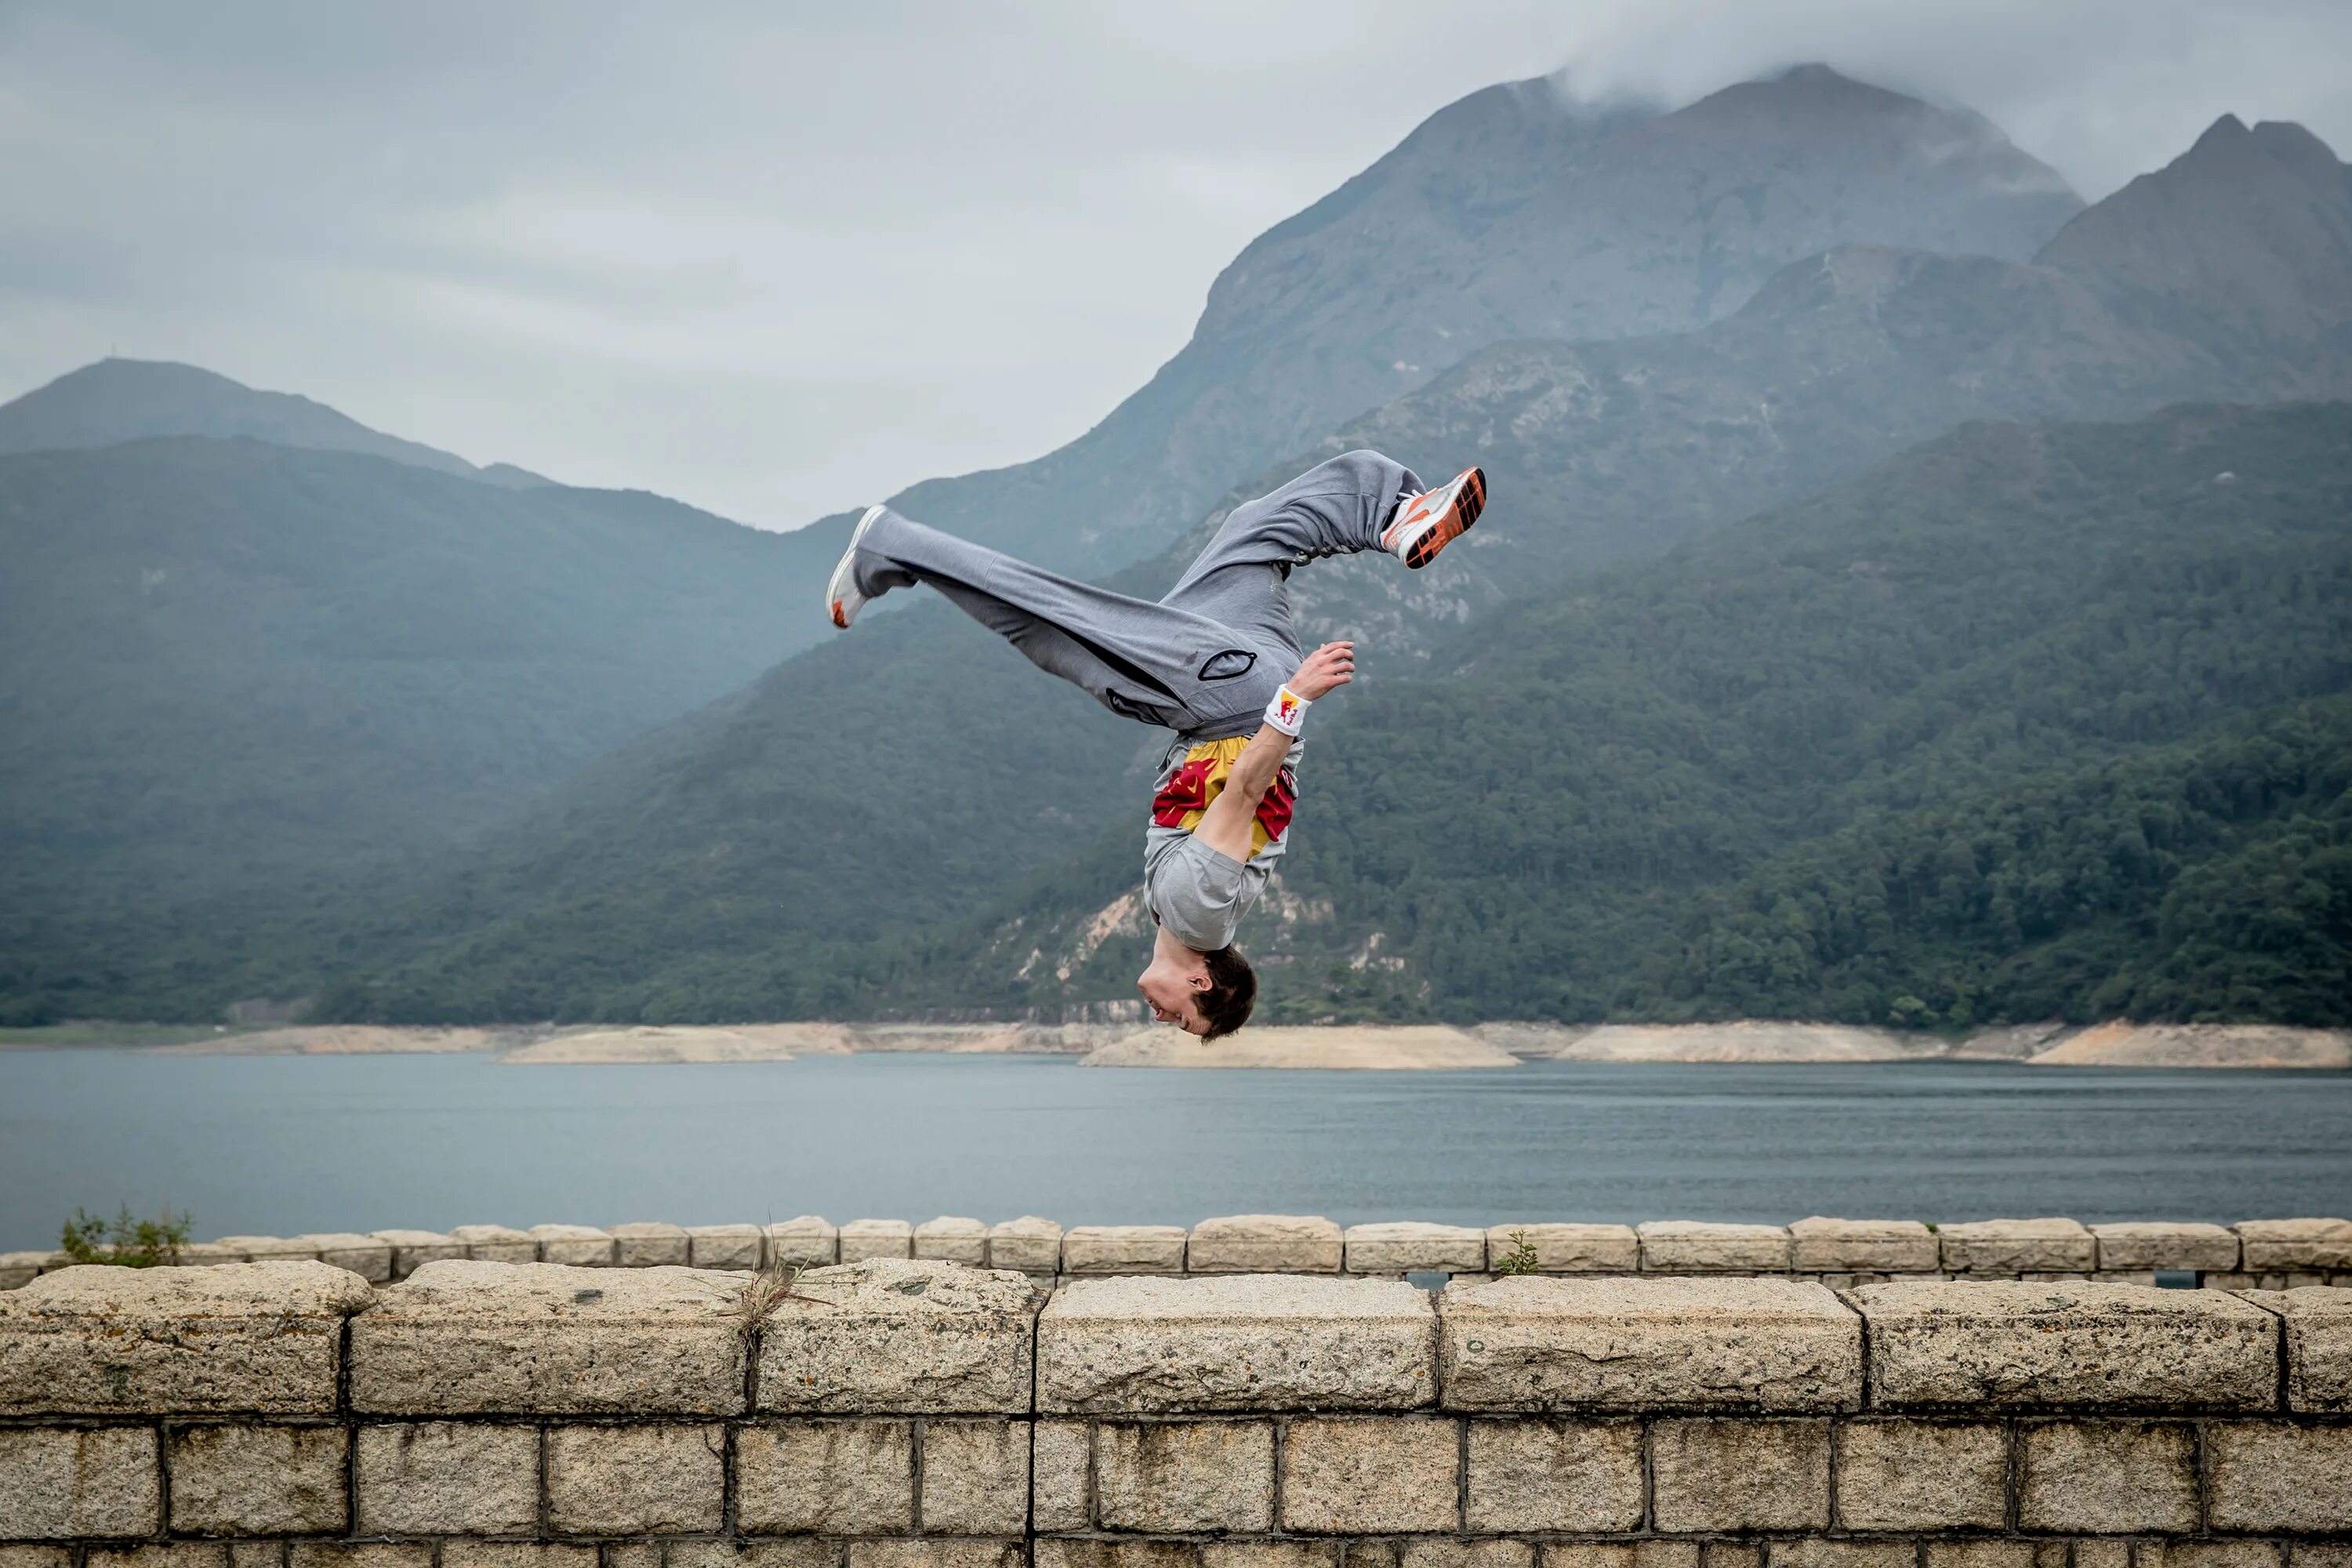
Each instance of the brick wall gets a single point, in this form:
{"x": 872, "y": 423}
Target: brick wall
{"x": 916, "y": 1413}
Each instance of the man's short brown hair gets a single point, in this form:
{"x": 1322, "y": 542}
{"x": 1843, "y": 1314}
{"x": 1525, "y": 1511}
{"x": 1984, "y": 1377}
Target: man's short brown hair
{"x": 1231, "y": 993}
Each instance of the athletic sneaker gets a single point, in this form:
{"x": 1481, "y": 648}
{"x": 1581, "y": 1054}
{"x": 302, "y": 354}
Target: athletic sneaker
{"x": 1426, "y": 523}
{"x": 841, "y": 595}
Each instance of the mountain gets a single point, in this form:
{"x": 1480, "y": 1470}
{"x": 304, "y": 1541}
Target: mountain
{"x": 1510, "y": 838}
{"x": 117, "y": 400}
{"x": 1515, "y": 213}
{"x": 228, "y": 662}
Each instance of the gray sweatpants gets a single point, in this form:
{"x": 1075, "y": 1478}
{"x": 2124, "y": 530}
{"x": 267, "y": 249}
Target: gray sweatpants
{"x": 1205, "y": 660}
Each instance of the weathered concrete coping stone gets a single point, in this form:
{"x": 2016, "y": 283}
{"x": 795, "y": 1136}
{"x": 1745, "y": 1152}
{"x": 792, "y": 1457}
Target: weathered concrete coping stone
{"x": 2283, "y": 1245}
{"x": 1539, "y": 1344}
{"x": 2318, "y": 1345}
{"x": 1819, "y": 1245}
{"x": 259, "y": 1338}
{"x": 1406, "y": 1246}
{"x": 2207, "y": 1248}
{"x": 574, "y": 1246}
{"x": 1244, "y": 1342}
{"x": 808, "y": 1241}
{"x": 411, "y": 1249}
{"x": 363, "y": 1255}
{"x": 463, "y": 1338}
{"x": 951, "y": 1238}
{"x": 1263, "y": 1243}
{"x": 2011, "y": 1343}
{"x": 1032, "y": 1245}
{"x": 2014, "y": 1247}
{"x": 651, "y": 1243}
{"x": 902, "y": 1336}
{"x": 1123, "y": 1249}
{"x": 268, "y": 1248}
{"x": 725, "y": 1245}
{"x": 864, "y": 1238}
{"x": 496, "y": 1242}
{"x": 1697, "y": 1247}
{"x": 1569, "y": 1249}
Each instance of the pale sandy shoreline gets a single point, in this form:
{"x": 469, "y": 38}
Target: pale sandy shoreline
{"x": 1371, "y": 1047}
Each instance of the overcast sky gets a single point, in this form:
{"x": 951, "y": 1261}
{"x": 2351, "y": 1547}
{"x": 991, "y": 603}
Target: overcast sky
{"x": 778, "y": 259}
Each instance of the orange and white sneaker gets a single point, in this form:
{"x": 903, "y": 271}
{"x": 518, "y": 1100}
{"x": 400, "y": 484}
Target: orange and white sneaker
{"x": 841, "y": 595}
{"x": 1428, "y": 523}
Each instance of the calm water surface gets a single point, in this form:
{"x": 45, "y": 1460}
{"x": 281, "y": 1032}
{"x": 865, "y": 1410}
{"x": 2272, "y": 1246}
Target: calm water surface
{"x": 286, "y": 1144}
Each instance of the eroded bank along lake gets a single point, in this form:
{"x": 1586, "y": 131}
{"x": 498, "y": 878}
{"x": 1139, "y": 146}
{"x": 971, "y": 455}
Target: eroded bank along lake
{"x": 288, "y": 1144}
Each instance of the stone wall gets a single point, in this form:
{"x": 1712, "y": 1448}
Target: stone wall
{"x": 2274, "y": 1254}
{"x": 913, "y": 1414}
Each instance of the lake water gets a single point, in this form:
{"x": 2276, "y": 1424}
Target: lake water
{"x": 286, "y": 1144}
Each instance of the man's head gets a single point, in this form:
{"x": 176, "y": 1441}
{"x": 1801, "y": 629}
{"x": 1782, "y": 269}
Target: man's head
{"x": 1203, "y": 994}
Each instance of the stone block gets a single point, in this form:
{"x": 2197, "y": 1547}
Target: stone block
{"x": 62, "y": 1556}
{"x": 810, "y": 1241}
{"x": 1375, "y": 1476}
{"x": 1084, "y": 1553}
{"x": 1061, "y": 1459}
{"x": 249, "y": 1338}
{"x": 975, "y": 1477}
{"x": 1408, "y": 1246}
{"x": 1441, "y": 1551}
{"x": 1554, "y": 1476}
{"x": 363, "y": 1553}
{"x": 515, "y": 1555}
{"x": 1569, "y": 1249}
{"x": 1819, "y": 1245}
{"x": 864, "y": 1238}
{"x": 2212, "y": 1554}
{"x": 788, "y": 1552}
{"x": 1618, "y": 1554}
{"x": 953, "y": 1239}
{"x": 1270, "y": 1554}
{"x": 2318, "y": 1345}
{"x": 2108, "y": 1478}
{"x": 2294, "y": 1246}
{"x": 363, "y": 1255}
{"x": 1123, "y": 1249}
{"x": 183, "y": 1555}
{"x": 258, "y": 1481}
{"x": 1696, "y": 1246}
{"x": 1538, "y": 1345}
{"x": 1814, "y": 1552}
{"x": 2207, "y": 1248}
{"x": 733, "y": 1247}
{"x": 411, "y": 1249}
{"x": 1916, "y": 1475}
{"x": 57, "y": 1483}
{"x": 466, "y": 1337}
{"x": 2014, "y": 1344}
{"x": 2273, "y": 1477}
{"x": 444, "y": 1478}
{"x": 1263, "y": 1244}
{"x": 574, "y": 1246}
{"x": 496, "y": 1242}
{"x": 937, "y": 1552}
{"x": 1740, "y": 1474}
{"x": 651, "y": 1243}
{"x": 900, "y": 1336}
{"x": 2007, "y": 1248}
{"x": 627, "y": 1480}
{"x": 1168, "y": 1477}
{"x": 828, "y": 1478}
{"x": 2102, "y": 1554}
{"x": 269, "y": 1249}
{"x": 1031, "y": 1245}
{"x": 1243, "y": 1342}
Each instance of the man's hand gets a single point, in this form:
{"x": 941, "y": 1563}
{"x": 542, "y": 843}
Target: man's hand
{"x": 1326, "y": 668}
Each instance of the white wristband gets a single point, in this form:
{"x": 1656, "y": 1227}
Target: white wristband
{"x": 1287, "y": 711}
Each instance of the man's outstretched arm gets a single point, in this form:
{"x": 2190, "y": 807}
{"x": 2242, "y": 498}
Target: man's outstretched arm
{"x": 1226, "y": 826}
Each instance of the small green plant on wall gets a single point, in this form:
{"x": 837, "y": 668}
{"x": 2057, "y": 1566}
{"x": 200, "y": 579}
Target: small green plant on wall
{"x": 124, "y": 1241}
{"x": 1520, "y": 1258}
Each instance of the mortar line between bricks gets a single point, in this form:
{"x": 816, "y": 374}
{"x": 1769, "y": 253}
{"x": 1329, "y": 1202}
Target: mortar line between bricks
{"x": 545, "y": 1505}
{"x": 2013, "y": 1505}
{"x": 1649, "y": 1479}
{"x": 1281, "y": 1465}
{"x": 1462, "y": 1477}
{"x": 917, "y": 1436}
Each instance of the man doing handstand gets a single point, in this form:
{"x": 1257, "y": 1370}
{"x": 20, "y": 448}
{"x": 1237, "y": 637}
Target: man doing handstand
{"x": 1207, "y": 661}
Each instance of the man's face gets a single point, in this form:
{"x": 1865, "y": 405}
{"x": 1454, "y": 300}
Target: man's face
{"x": 1173, "y": 996}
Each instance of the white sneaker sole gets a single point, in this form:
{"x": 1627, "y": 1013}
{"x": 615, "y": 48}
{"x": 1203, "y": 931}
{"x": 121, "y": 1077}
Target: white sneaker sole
{"x": 837, "y": 590}
{"x": 1438, "y": 519}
